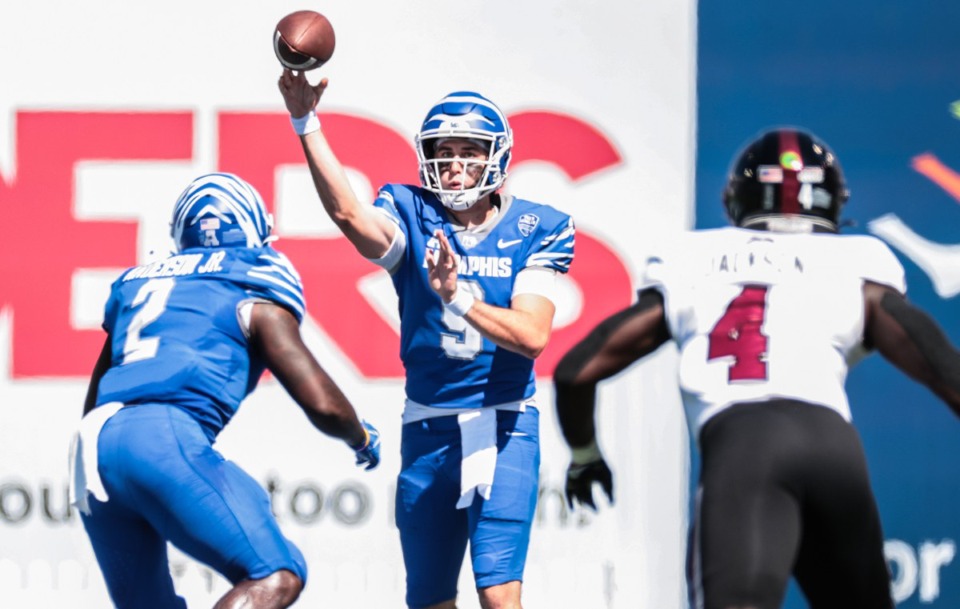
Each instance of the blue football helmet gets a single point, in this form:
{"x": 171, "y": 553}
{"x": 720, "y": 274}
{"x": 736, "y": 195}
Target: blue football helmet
{"x": 466, "y": 115}
{"x": 220, "y": 210}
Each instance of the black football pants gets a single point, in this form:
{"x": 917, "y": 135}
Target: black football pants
{"x": 784, "y": 490}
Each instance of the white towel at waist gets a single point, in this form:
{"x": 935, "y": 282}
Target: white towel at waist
{"x": 478, "y": 438}
{"x": 415, "y": 411}
{"x": 84, "y": 472}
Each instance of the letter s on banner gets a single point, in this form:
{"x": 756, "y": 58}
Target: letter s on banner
{"x": 579, "y": 150}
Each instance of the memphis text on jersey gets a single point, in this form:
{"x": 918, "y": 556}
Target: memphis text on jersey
{"x": 479, "y": 266}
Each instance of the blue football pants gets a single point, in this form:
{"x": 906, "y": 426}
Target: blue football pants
{"x": 434, "y": 533}
{"x": 166, "y": 483}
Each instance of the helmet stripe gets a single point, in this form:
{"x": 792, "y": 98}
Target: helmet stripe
{"x": 237, "y": 203}
{"x": 790, "y": 156}
{"x": 474, "y": 98}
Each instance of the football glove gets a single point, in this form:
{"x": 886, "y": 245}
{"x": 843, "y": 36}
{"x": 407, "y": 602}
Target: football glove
{"x": 580, "y": 479}
{"x": 369, "y": 452}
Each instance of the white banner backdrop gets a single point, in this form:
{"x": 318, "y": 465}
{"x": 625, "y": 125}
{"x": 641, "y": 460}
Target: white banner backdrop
{"x": 624, "y": 70}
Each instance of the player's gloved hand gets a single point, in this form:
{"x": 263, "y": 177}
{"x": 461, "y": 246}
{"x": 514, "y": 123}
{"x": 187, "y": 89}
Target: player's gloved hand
{"x": 368, "y": 453}
{"x": 586, "y": 468}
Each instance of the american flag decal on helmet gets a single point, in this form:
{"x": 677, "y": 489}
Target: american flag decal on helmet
{"x": 770, "y": 174}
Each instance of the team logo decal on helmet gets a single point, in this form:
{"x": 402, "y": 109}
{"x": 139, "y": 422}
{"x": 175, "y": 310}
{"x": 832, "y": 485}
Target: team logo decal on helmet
{"x": 791, "y": 160}
{"x": 465, "y": 115}
{"x": 220, "y": 210}
{"x": 786, "y": 179}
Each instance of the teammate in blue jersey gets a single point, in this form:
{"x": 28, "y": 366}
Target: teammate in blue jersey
{"x": 475, "y": 273}
{"x": 188, "y": 338}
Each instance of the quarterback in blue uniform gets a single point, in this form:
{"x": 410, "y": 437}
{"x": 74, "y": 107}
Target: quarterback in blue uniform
{"x": 475, "y": 272}
{"x": 188, "y": 337}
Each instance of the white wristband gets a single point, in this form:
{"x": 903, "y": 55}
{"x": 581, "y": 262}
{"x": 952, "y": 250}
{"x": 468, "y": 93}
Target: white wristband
{"x": 461, "y": 303}
{"x": 586, "y": 454}
{"x": 306, "y": 124}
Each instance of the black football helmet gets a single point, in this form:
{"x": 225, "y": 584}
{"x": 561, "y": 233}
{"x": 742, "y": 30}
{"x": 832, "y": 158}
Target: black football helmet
{"x": 786, "y": 180}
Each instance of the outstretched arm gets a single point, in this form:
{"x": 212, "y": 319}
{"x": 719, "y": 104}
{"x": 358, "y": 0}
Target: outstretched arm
{"x": 99, "y": 369}
{"x": 612, "y": 346}
{"x": 275, "y": 334}
{"x": 912, "y": 341}
{"x": 617, "y": 342}
{"x": 368, "y": 230}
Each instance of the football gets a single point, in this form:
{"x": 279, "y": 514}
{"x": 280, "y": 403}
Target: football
{"x": 304, "y": 40}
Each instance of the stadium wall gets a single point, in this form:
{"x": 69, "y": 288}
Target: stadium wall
{"x": 110, "y": 108}
{"x": 877, "y": 81}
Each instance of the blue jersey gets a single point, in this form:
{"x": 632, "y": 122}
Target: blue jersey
{"x": 448, "y": 363}
{"x": 176, "y": 333}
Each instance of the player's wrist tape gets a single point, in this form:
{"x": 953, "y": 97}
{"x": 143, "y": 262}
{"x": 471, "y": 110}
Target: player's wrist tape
{"x": 461, "y": 303}
{"x": 306, "y": 124}
{"x": 586, "y": 454}
{"x": 365, "y": 443}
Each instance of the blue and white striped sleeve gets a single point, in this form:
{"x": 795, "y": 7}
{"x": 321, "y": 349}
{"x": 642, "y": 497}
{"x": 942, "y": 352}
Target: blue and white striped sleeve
{"x": 555, "y": 250}
{"x": 386, "y": 204}
{"x": 278, "y": 280}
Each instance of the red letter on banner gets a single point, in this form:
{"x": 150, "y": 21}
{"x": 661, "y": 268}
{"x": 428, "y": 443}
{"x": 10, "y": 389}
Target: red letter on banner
{"x": 579, "y": 150}
{"x": 330, "y": 267}
{"x": 44, "y": 244}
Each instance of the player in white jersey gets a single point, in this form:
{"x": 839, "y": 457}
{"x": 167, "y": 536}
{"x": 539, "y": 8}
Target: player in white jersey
{"x": 474, "y": 272}
{"x": 768, "y": 316}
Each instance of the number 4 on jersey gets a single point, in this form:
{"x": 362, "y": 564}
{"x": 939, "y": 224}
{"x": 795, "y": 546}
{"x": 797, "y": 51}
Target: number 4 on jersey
{"x": 737, "y": 333}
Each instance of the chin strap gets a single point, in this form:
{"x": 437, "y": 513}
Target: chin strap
{"x": 460, "y": 201}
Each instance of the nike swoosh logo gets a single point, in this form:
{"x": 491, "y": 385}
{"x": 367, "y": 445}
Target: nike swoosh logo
{"x": 502, "y": 244}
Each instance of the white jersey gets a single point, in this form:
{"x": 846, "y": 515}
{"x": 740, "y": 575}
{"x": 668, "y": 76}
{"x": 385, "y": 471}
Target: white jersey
{"x": 758, "y": 315}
